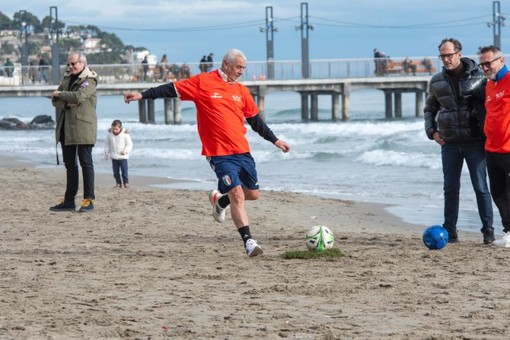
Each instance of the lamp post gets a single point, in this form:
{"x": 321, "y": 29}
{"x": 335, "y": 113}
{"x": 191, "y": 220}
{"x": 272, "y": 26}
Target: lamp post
{"x": 55, "y": 50}
{"x": 23, "y": 27}
{"x": 269, "y": 29}
{"x": 304, "y": 27}
{"x": 497, "y": 21}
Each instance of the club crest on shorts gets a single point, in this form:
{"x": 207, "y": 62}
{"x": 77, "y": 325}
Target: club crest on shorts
{"x": 226, "y": 180}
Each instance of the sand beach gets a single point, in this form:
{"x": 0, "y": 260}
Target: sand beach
{"x": 151, "y": 263}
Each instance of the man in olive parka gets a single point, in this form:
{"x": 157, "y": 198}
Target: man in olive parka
{"x": 76, "y": 129}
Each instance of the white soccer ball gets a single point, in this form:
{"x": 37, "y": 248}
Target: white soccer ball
{"x": 319, "y": 237}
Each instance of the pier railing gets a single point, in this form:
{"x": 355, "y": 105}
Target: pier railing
{"x": 255, "y": 70}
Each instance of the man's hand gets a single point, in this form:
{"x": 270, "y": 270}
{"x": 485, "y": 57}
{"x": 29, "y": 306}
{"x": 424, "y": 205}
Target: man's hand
{"x": 281, "y": 144}
{"x": 437, "y": 138}
{"x": 132, "y": 96}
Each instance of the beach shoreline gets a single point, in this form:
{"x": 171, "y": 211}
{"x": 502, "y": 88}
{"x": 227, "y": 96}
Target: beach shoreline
{"x": 151, "y": 262}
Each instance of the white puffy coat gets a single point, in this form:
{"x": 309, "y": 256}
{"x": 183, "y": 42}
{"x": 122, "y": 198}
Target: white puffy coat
{"x": 118, "y": 146}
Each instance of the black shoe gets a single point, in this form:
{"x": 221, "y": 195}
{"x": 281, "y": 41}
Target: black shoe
{"x": 452, "y": 236}
{"x": 64, "y": 206}
{"x": 488, "y": 235}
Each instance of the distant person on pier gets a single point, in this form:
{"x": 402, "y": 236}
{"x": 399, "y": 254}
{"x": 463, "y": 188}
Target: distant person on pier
{"x": 163, "y": 68}
{"x": 210, "y": 62}
{"x": 454, "y": 116}
{"x": 203, "y": 64}
{"x": 145, "y": 68}
{"x": 8, "y": 67}
{"x": 76, "y": 130}
{"x": 223, "y": 105}
{"x": 427, "y": 63}
{"x": 43, "y": 70}
{"x": 409, "y": 66}
{"x": 377, "y": 62}
{"x": 497, "y": 121}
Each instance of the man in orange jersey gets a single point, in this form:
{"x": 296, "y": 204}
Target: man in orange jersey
{"x": 497, "y": 122}
{"x": 223, "y": 105}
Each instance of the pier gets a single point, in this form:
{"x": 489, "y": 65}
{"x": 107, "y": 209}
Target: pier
{"x": 334, "y": 78}
{"x": 309, "y": 89}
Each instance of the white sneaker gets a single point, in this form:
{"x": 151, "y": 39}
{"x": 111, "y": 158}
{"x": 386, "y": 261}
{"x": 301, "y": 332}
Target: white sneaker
{"x": 217, "y": 212}
{"x": 252, "y": 248}
{"x": 503, "y": 242}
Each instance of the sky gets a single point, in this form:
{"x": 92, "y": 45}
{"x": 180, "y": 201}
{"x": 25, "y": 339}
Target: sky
{"x": 187, "y": 29}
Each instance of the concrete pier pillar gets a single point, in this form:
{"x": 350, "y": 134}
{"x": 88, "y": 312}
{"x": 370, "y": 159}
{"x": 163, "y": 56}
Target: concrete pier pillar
{"x": 177, "y": 111}
{"x": 335, "y": 107}
{"x": 304, "y": 106}
{"x": 346, "y": 100}
{"x": 151, "y": 116}
{"x": 261, "y": 103}
{"x": 388, "y": 104}
{"x": 169, "y": 110}
{"x": 142, "y": 111}
{"x": 398, "y": 104}
{"x": 314, "y": 107}
{"x": 419, "y": 104}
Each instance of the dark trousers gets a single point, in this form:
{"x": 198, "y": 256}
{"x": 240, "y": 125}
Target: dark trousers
{"x": 120, "y": 166}
{"x": 453, "y": 156}
{"x": 71, "y": 154}
{"x": 498, "y": 167}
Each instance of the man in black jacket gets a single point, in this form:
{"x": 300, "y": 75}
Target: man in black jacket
{"x": 454, "y": 116}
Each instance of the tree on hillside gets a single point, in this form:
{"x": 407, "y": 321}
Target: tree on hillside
{"x": 5, "y": 22}
{"x": 111, "y": 42}
{"x": 51, "y": 25}
{"x": 29, "y": 20}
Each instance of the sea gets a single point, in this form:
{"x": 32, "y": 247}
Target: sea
{"x": 369, "y": 158}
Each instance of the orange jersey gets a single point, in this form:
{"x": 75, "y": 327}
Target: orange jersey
{"x": 497, "y": 119}
{"x": 221, "y": 111}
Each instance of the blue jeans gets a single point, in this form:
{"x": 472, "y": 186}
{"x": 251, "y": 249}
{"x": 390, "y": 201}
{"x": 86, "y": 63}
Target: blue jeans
{"x": 453, "y": 156}
{"x": 120, "y": 166}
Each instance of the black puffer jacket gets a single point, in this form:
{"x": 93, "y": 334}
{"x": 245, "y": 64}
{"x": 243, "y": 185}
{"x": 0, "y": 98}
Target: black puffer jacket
{"x": 460, "y": 119}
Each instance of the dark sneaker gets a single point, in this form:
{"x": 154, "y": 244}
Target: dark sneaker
{"x": 488, "y": 235}
{"x": 64, "y": 206}
{"x": 87, "y": 205}
{"x": 452, "y": 236}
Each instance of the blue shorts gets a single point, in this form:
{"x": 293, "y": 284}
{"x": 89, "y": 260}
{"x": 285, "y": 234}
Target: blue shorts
{"x": 234, "y": 170}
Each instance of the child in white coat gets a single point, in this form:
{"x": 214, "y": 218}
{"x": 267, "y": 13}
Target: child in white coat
{"x": 118, "y": 145}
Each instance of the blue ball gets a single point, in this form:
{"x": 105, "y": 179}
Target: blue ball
{"x": 435, "y": 237}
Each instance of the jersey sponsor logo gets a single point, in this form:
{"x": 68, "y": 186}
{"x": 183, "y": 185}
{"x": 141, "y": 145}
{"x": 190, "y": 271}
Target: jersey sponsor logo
{"x": 236, "y": 98}
{"x": 226, "y": 180}
{"x": 500, "y": 94}
{"x": 216, "y": 95}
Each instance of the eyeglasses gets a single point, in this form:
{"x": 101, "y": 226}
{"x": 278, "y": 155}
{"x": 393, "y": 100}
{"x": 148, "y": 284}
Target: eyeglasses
{"x": 72, "y": 64}
{"x": 448, "y": 56}
{"x": 487, "y": 64}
